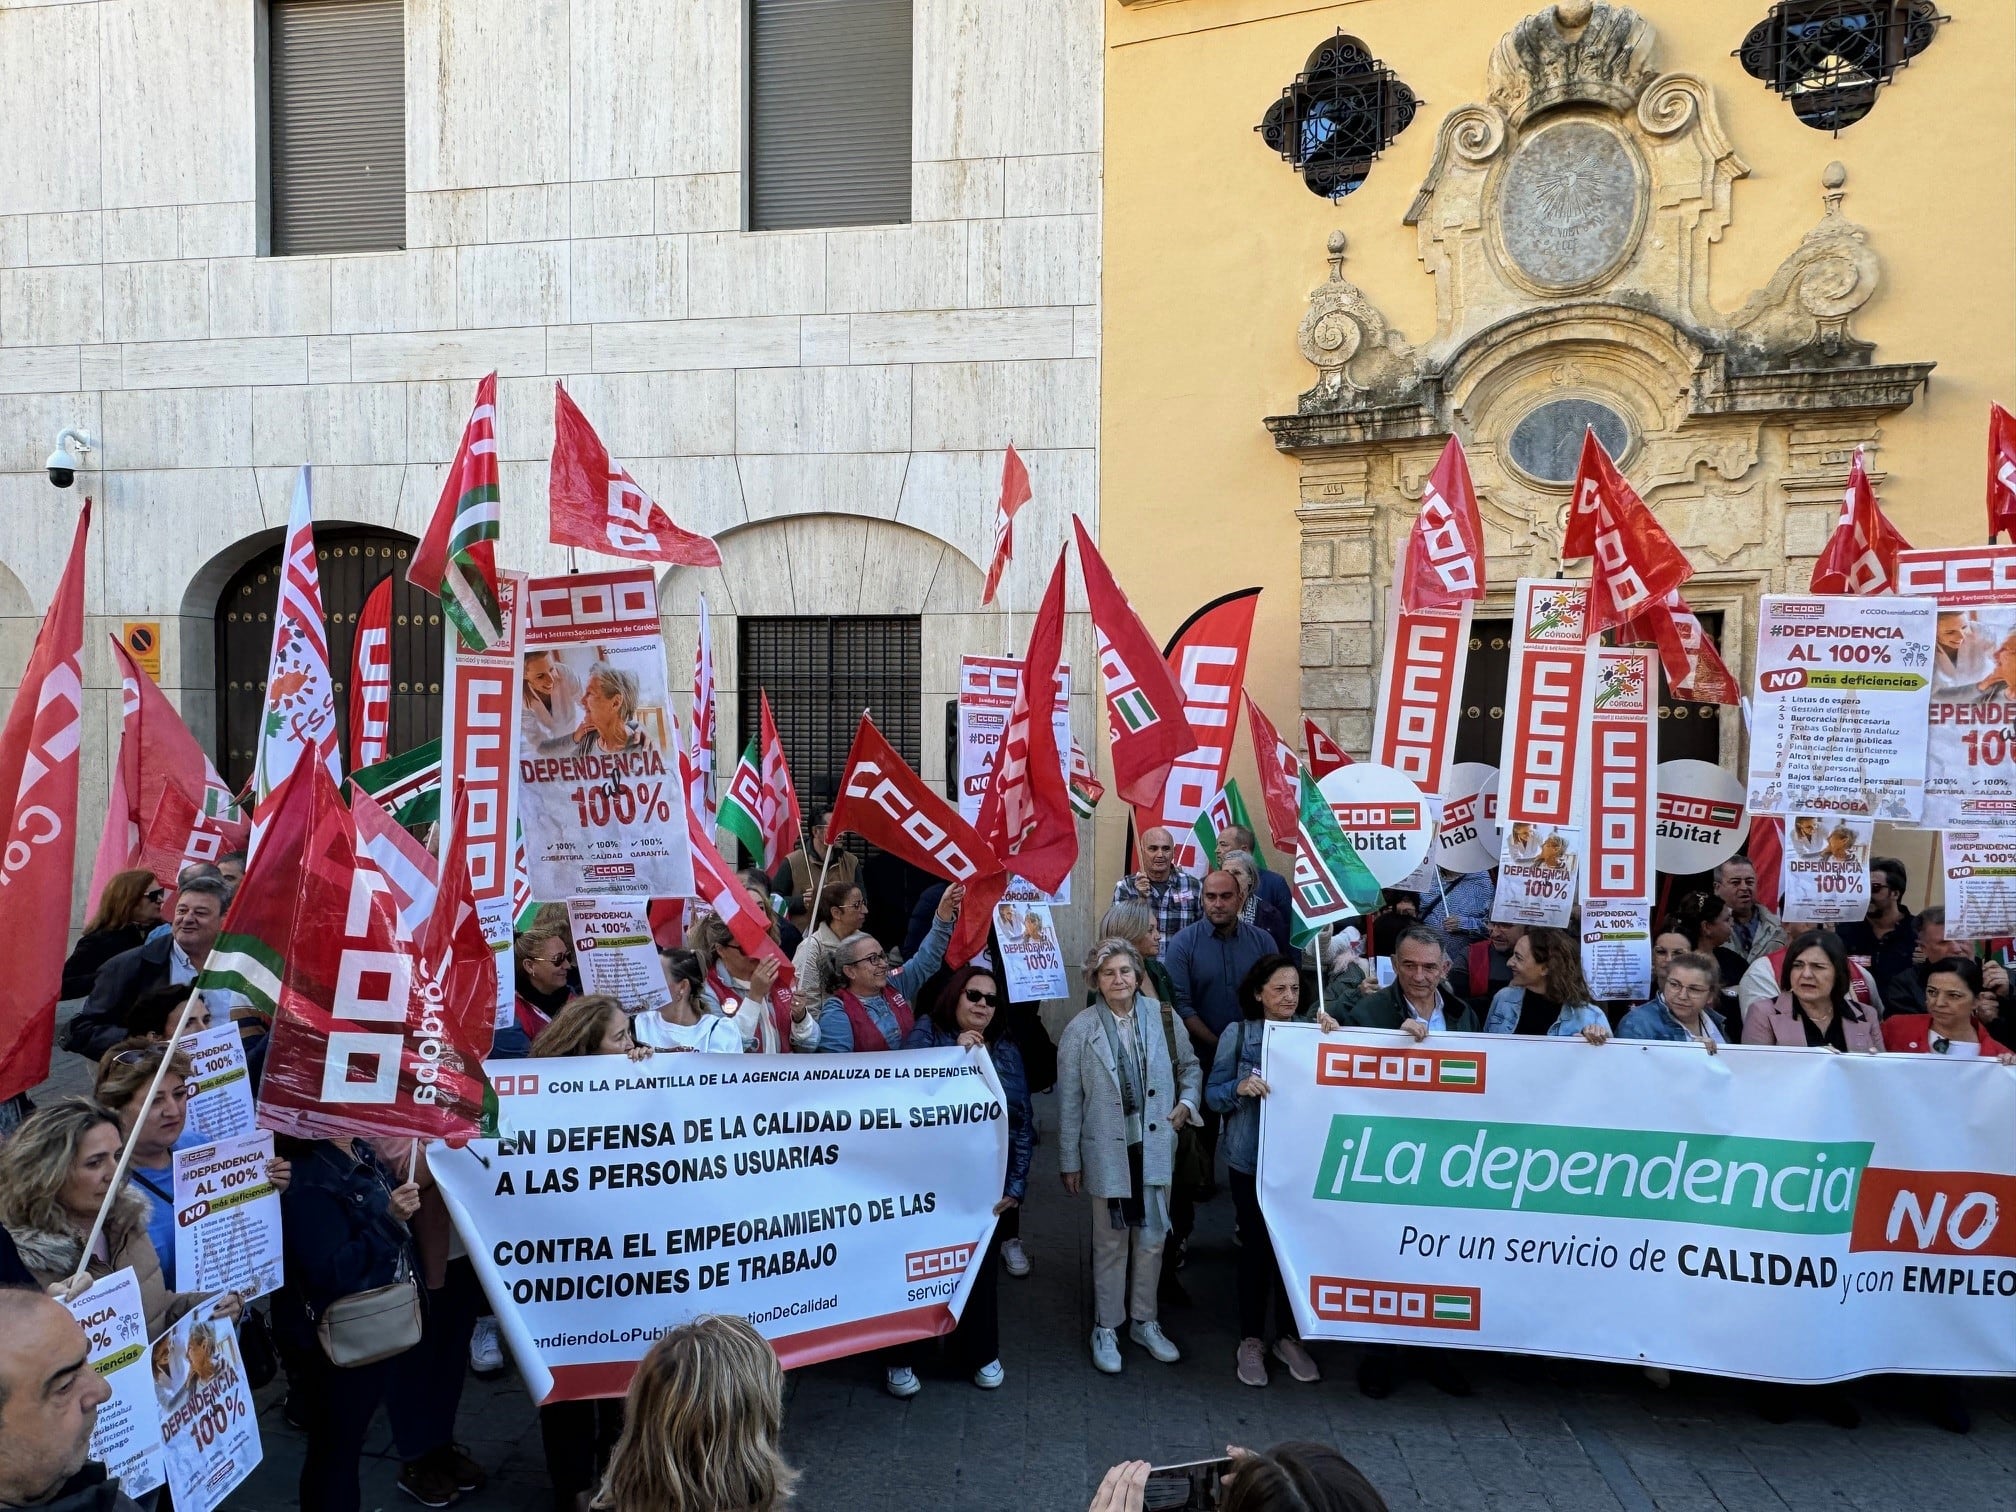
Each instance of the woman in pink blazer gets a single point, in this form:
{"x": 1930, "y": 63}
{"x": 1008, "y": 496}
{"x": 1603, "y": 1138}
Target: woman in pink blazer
{"x": 1815, "y": 1009}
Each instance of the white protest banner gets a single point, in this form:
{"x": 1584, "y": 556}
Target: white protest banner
{"x": 1384, "y": 815}
{"x": 1618, "y": 757}
{"x": 615, "y": 951}
{"x": 1467, "y": 840}
{"x": 1463, "y": 1191}
{"x": 480, "y": 748}
{"x": 988, "y": 686}
{"x": 1970, "y": 750}
{"x": 840, "y": 1203}
{"x": 1825, "y": 871}
{"x": 227, "y": 1217}
{"x": 1980, "y": 883}
{"x": 127, "y": 1436}
{"x": 598, "y": 768}
{"x": 209, "y": 1429}
{"x": 1617, "y": 951}
{"x": 1702, "y": 821}
{"x": 1032, "y": 962}
{"x": 1421, "y": 693}
{"x": 220, "y": 1090}
{"x": 1536, "y": 875}
{"x": 1838, "y": 724}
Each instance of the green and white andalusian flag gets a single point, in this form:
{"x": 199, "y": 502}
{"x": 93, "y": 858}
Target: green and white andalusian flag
{"x": 741, "y": 812}
{"x": 456, "y": 560}
{"x": 1226, "y": 809}
{"x": 408, "y": 785}
{"x": 1331, "y": 883}
{"x": 251, "y": 950}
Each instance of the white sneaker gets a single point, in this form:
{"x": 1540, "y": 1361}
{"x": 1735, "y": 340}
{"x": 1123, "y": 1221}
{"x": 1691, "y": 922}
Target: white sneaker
{"x": 1106, "y": 1350}
{"x": 486, "y": 1348}
{"x": 1659, "y": 1376}
{"x": 902, "y": 1382}
{"x": 1151, "y": 1338}
{"x": 990, "y": 1375}
{"x": 1014, "y": 1259}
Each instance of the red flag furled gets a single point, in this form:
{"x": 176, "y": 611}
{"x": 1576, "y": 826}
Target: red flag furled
{"x": 155, "y": 749}
{"x": 1280, "y": 776}
{"x": 782, "y": 820}
{"x": 1325, "y": 755}
{"x": 2001, "y": 472}
{"x": 1637, "y": 564}
{"x": 700, "y": 792}
{"x": 1014, "y": 494}
{"x": 1025, "y": 818}
{"x": 1766, "y": 851}
{"x": 456, "y": 560}
{"x": 715, "y": 880}
{"x": 38, "y": 786}
{"x": 597, "y": 506}
{"x": 1694, "y": 668}
{"x": 1144, "y": 706}
{"x": 1444, "y": 567}
{"x": 1861, "y": 556}
{"x": 371, "y": 680}
{"x": 890, "y": 806}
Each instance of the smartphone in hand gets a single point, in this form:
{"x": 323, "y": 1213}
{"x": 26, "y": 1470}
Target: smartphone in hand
{"x": 1179, "y": 1488}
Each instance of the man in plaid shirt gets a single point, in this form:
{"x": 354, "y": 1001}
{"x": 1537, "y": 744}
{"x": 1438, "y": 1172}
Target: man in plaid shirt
{"x": 1172, "y": 893}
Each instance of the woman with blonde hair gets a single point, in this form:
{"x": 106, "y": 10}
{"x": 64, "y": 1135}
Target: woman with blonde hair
{"x": 128, "y": 910}
{"x": 702, "y": 1421}
{"x": 591, "y": 1025}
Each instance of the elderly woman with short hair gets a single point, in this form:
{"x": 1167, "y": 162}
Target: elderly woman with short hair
{"x": 1254, "y": 909}
{"x": 609, "y": 699}
{"x": 1127, "y": 1082}
{"x": 869, "y": 1007}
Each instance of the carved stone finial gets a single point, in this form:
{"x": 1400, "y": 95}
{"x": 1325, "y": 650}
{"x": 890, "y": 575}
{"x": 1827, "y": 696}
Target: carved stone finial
{"x": 1574, "y": 50}
{"x": 1361, "y": 360}
{"x": 1336, "y": 257}
{"x": 1833, "y": 178}
{"x": 1800, "y": 319}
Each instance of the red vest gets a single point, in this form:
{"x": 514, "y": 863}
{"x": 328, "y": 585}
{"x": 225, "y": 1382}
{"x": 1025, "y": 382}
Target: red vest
{"x": 866, "y": 1033}
{"x": 1480, "y": 970}
{"x": 780, "y": 1003}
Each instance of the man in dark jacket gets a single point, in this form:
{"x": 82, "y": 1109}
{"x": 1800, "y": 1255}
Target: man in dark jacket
{"x": 49, "y": 1399}
{"x": 1419, "y": 1000}
{"x": 172, "y": 960}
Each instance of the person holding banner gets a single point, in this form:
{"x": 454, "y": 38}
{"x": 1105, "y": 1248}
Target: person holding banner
{"x": 1815, "y": 1007}
{"x": 1270, "y": 994}
{"x": 1947, "y": 1026}
{"x": 1419, "y": 1000}
{"x": 597, "y": 1025}
{"x": 774, "y": 1020}
{"x": 1549, "y": 995}
{"x": 542, "y": 956}
{"x": 1679, "y": 1010}
{"x": 871, "y": 1008}
{"x": 1121, "y": 1100}
{"x": 55, "y": 1175}
{"x": 128, "y": 910}
{"x": 49, "y": 1401}
{"x": 686, "y": 1022}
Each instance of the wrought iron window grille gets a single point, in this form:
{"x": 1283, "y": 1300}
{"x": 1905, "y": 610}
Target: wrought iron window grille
{"x": 1342, "y": 111}
{"x": 1827, "y": 58}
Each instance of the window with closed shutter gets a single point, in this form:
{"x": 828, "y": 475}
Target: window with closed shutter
{"x": 829, "y": 113}
{"x": 336, "y": 102}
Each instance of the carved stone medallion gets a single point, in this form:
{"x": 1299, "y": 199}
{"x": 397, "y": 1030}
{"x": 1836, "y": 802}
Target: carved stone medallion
{"x": 1569, "y": 205}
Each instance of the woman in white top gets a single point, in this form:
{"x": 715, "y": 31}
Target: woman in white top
{"x": 773, "y": 1019}
{"x": 551, "y": 701}
{"x": 684, "y": 1022}
{"x": 841, "y": 910}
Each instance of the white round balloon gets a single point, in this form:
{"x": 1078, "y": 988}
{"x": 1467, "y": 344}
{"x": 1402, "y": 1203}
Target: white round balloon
{"x": 1468, "y": 839}
{"x": 1384, "y": 815}
{"x": 1701, "y": 820}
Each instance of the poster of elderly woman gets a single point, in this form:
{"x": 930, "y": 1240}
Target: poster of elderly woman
{"x": 209, "y": 1427}
{"x": 599, "y": 782}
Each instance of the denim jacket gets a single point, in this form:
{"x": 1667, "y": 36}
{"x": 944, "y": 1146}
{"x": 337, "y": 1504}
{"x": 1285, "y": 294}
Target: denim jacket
{"x": 1653, "y": 1020}
{"x": 1238, "y": 1058}
{"x": 1574, "y": 1017}
{"x": 1007, "y": 1056}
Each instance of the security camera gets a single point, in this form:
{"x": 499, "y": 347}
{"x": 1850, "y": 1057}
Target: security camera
{"x": 62, "y": 463}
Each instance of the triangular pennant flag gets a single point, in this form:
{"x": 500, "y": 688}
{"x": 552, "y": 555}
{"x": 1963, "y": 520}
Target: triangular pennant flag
{"x": 1144, "y": 703}
{"x": 1637, "y": 564}
{"x": 371, "y": 679}
{"x": 1025, "y": 817}
{"x": 1325, "y": 755}
{"x": 456, "y": 560}
{"x": 1280, "y": 778}
{"x": 2001, "y": 472}
{"x": 1861, "y": 555}
{"x": 595, "y": 505}
{"x": 1444, "y": 566}
{"x": 1014, "y": 494}
{"x": 299, "y": 721}
{"x": 1331, "y": 883}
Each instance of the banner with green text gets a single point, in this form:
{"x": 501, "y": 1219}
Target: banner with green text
{"x": 1553, "y": 1197}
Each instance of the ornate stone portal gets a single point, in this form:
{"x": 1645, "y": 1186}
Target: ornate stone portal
{"x": 1568, "y": 223}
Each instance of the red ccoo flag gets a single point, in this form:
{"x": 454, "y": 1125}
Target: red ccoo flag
{"x": 2001, "y": 472}
{"x": 38, "y": 786}
{"x": 597, "y": 506}
{"x": 371, "y": 680}
{"x": 1445, "y": 550}
{"x": 1026, "y": 817}
{"x": 887, "y": 804}
{"x": 1861, "y": 556}
{"x": 1637, "y": 564}
{"x": 1325, "y": 755}
{"x": 1144, "y": 706}
{"x": 1280, "y": 778}
{"x": 1014, "y": 494}
{"x": 1766, "y": 850}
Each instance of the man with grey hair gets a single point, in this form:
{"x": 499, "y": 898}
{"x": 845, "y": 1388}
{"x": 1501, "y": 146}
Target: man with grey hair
{"x": 49, "y": 1400}
{"x": 1754, "y": 930}
{"x": 1418, "y": 1001}
{"x": 1163, "y": 885}
{"x": 1273, "y": 886}
{"x": 167, "y": 960}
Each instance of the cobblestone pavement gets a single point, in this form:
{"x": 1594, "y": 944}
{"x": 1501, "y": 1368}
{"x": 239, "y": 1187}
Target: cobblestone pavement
{"x": 1535, "y": 1436}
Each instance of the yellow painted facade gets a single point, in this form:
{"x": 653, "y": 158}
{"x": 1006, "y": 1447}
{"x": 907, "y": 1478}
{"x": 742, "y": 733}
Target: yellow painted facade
{"x": 1213, "y": 244}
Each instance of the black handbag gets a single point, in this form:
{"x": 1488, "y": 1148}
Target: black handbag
{"x": 255, "y": 1348}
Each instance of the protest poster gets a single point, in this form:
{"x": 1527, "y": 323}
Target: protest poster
{"x": 1825, "y": 875}
{"x": 1702, "y": 821}
{"x": 1032, "y": 962}
{"x": 598, "y": 758}
{"x": 1546, "y": 699}
{"x": 839, "y": 1203}
{"x": 1617, "y": 951}
{"x": 480, "y": 750}
{"x": 1421, "y": 693}
{"x": 1620, "y": 754}
{"x": 615, "y": 952}
{"x": 220, "y": 1090}
{"x": 1980, "y": 883}
{"x": 1536, "y": 875}
{"x": 1387, "y": 819}
{"x": 126, "y": 1439}
{"x": 1208, "y": 655}
{"x": 227, "y": 1217}
{"x": 1970, "y": 737}
{"x": 1454, "y": 1193}
{"x": 209, "y": 1428}
{"x": 1838, "y": 724}
{"x": 1467, "y": 838}
{"x": 988, "y": 686}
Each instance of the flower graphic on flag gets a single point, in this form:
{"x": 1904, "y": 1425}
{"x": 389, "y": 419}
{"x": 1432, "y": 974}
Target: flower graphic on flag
{"x": 1621, "y": 683}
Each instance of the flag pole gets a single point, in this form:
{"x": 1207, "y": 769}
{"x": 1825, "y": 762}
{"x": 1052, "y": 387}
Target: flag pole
{"x": 132, "y": 1143}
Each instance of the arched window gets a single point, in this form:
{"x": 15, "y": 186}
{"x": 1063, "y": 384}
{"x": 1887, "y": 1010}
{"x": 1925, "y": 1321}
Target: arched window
{"x": 1829, "y": 57}
{"x": 1342, "y": 111}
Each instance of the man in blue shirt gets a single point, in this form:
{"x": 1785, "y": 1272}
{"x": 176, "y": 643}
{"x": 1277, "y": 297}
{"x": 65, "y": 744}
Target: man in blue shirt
{"x": 1208, "y": 960}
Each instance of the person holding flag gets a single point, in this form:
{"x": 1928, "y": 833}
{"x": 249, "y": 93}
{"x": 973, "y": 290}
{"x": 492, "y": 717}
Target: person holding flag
{"x": 870, "y": 1010}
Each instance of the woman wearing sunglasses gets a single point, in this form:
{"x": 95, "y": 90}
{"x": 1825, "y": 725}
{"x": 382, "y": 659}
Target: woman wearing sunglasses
{"x": 545, "y": 962}
{"x": 127, "y": 912}
{"x": 967, "y": 1013}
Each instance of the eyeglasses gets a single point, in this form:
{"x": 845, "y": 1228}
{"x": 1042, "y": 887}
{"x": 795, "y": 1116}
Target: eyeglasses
{"x": 155, "y": 895}
{"x": 879, "y": 958}
{"x": 992, "y": 1000}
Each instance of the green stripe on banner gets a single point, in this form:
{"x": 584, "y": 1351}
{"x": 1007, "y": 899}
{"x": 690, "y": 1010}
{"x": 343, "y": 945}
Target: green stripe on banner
{"x": 1452, "y": 1309}
{"x": 1464, "y": 1072}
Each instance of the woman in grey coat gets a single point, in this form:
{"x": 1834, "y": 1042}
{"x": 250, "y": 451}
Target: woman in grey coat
{"x": 1127, "y": 1081}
